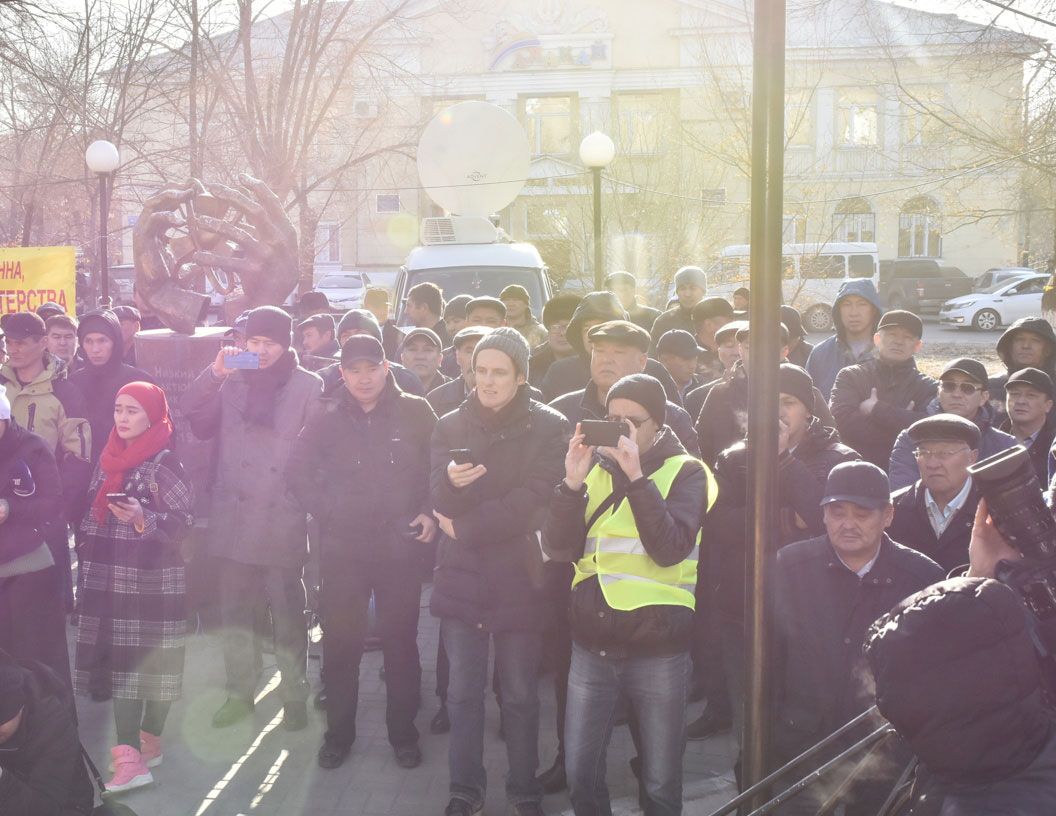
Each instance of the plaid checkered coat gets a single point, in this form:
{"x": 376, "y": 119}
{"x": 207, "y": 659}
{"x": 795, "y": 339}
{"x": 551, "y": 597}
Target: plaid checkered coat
{"x": 133, "y": 607}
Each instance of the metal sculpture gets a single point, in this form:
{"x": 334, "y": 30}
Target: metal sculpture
{"x": 240, "y": 239}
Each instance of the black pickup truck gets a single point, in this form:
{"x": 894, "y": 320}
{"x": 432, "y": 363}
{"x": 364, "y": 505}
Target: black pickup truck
{"x": 920, "y": 284}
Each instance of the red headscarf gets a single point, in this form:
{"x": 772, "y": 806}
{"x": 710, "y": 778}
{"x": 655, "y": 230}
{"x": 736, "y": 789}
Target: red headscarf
{"x": 119, "y": 456}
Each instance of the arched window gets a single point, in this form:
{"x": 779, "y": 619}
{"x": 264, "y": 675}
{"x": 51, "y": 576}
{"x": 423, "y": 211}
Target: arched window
{"x": 854, "y": 220}
{"x": 920, "y": 228}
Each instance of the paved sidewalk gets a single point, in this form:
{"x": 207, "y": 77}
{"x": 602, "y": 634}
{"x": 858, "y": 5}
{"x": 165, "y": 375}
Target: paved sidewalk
{"x": 258, "y": 769}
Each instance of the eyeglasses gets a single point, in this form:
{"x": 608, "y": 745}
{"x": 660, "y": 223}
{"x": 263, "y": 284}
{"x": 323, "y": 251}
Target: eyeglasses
{"x": 923, "y": 454}
{"x": 635, "y": 421}
{"x": 966, "y": 388}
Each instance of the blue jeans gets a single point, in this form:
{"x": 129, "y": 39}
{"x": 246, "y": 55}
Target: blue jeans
{"x": 517, "y": 664}
{"x": 657, "y": 689}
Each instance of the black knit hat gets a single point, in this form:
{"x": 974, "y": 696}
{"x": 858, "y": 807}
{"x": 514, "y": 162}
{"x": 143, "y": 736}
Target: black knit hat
{"x": 792, "y": 320}
{"x": 643, "y": 389}
{"x": 797, "y": 382}
{"x": 359, "y": 320}
{"x": 271, "y": 322}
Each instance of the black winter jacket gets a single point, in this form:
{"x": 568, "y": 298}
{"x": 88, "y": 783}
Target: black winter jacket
{"x": 365, "y": 476}
{"x": 447, "y": 397}
{"x": 912, "y": 529}
{"x": 822, "y": 613}
{"x": 585, "y": 404}
{"x": 723, "y": 417}
{"x": 491, "y": 574}
{"x": 677, "y": 317}
{"x": 668, "y": 530}
{"x": 801, "y": 475}
{"x": 903, "y": 393}
{"x": 29, "y": 481}
{"x": 957, "y": 673}
{"x": 1040, "y": 447}
{"x": 100, "y": 384}
{"x": 43, "y": 772}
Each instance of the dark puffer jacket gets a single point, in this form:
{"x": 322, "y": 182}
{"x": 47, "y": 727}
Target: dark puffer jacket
{"x": 668, "y": 530}
{"x": 491, "y": 574}
{"x": 100, "y": 383}
{"x": 365, "y": 476}
{"x": 43, "y": 773}
{"x": 801, "y": 476}
{"x": 957, "y": 674}
{"x": 29, "y": 481}
{"x": 823, "y": 611}
{"x": 903, "y": 394}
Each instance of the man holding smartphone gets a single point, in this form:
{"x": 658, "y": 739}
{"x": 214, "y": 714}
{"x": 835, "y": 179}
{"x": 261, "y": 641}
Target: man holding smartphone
{"x": 361, "y": 468}
{"x": 628, "y": 517}
{"x": 257, "y": 534}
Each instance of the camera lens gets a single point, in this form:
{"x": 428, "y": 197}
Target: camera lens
{"x": 1013, "y": 493}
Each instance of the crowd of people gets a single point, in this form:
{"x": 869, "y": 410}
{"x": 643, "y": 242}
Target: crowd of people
{"x": 458, "y": 450}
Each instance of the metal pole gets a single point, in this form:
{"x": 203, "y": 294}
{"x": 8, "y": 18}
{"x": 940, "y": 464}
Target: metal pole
{"x": 764, "y": 314}
{"x": 104, "y": 257}
{"x": 599, "y": 272}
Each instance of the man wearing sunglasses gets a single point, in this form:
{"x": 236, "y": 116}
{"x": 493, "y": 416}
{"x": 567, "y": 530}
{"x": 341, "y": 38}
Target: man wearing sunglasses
{"x": 962, "y": 392}
{"x": 934, "y": 515}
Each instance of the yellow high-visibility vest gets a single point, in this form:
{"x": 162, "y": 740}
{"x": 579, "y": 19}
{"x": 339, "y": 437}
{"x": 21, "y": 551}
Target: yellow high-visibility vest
{"x": 614, "y": 552}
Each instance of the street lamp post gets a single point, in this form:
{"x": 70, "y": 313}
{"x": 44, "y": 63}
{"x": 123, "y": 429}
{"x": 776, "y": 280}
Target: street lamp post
{"x": 597, "y": 151}
{"x": 103, "y": 159}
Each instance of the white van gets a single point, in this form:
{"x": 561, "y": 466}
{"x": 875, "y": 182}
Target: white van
{"x": 811, "y": 275}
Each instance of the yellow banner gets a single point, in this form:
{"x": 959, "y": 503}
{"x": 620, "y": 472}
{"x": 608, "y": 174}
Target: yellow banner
{"x": 32, "y": 276}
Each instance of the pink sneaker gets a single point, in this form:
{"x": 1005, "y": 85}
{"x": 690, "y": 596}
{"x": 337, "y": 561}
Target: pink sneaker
{"x": 150, "y": 749}
{"x": 130, "y": 772}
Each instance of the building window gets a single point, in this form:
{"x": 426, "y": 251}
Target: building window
{"x": 638, "y": 123}
{"x": 548, "y": 120}
{"x": 920, "y": 229}
{"x": 799, "y": 120}
{"x": 387, "y": 203}
{"x": 858, "y": 123}
{"x": 854, "y": 220}
{"x": 921, "y": 122}
{"x": 328, "y": 243}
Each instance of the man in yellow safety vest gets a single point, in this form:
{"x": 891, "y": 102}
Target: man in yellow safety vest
{"x": 629, "y": 518}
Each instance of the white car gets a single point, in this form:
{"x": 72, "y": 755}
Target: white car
{"x": 344, "y": 289}
{"x": 1001, "y": 304}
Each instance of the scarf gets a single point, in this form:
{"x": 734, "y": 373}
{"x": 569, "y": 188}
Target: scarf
{"x": 120, "y": 456}
{"x": 264, "y": 385}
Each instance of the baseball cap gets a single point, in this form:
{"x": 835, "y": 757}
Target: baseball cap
{"x": 428, "y": 334}
{"x": 968, "y": 367}
{"x": 861, "y": 483}
{"x": 322, "y": 322}
{"x": 678, "y": 342}
{"x": 1034, "y": 377}
{"x": 901, "y": 319}
{"x": 362, "y": 348}
{"x": 20, "y": 325}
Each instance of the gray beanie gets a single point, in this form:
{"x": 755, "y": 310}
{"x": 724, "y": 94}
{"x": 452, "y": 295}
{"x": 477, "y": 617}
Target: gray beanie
{"x": 511, "y": 343}
{"x": 691, "y": 274}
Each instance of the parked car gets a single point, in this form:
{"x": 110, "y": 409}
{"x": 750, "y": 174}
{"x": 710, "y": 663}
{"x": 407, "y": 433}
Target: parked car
{"x": 344, "y": 289}
{"x": 1001, "y": 274}
{"x": 1002, "y": 304}
{"x": 920, "y": 284}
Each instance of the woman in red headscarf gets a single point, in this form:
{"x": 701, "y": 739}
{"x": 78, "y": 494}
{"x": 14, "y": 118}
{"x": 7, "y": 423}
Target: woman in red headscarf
{"x": 133, "y": 615}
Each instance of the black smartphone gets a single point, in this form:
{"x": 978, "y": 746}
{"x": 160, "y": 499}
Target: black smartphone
{"x": 461, "y": 456}
{"x": 117, "y": 498}
{"x": 599, "y": 432}
{"x": 413, "y": 531}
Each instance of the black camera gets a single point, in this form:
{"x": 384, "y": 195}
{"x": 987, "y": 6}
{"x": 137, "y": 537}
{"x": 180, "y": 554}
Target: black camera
{"x": 1014, "y": 495}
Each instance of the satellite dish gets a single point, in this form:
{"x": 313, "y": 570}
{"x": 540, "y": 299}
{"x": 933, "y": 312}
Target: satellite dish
{"x": 473, "y": 158}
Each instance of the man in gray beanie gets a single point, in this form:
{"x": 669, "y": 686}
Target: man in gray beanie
{"x": 691, "y": 284}
{"x": 495, "y": 461}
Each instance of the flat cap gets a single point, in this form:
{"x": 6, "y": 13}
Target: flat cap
{"x": 732, "y": 327}
{"x": 622, "y": 332}
{"x": 712, "y": 307}
{"x": 945, "y": 428}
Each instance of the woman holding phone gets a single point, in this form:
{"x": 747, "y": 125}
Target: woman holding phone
{"x": 133, "y": 605}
